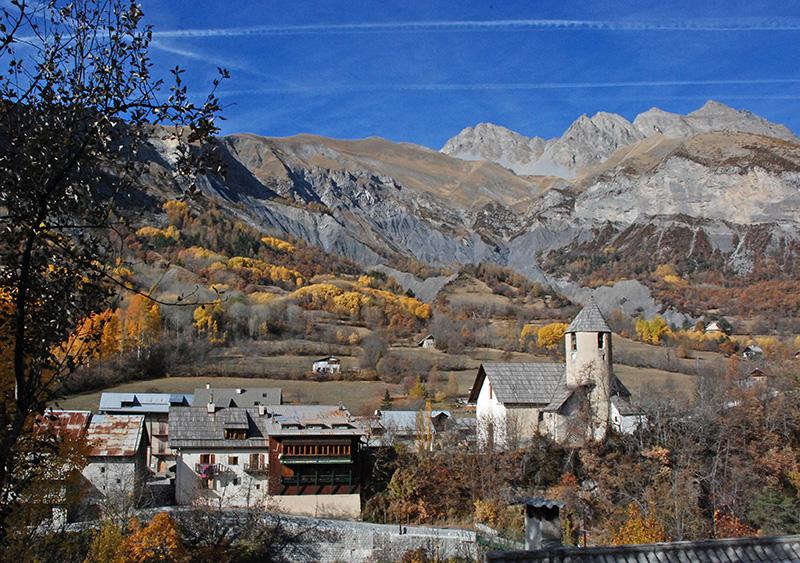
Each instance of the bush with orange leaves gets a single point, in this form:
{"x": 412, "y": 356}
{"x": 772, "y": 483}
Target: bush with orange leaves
{"x": 158, "y": 541}
{"x": 639, "y": 528}
{"x": 729, "y": 526}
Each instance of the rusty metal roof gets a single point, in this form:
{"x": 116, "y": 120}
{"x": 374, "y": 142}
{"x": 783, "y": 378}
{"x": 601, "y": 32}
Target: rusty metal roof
{"x": 72, "y": 423}
{"x": 115, "y": 435}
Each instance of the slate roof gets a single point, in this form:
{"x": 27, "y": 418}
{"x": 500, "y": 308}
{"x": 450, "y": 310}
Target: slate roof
{"x": 561, "y": 395}
{"x": 520, "y": 383}
{"x": 144, "y": 403}
{"x": 780, "y": 549}
{"x": 590, "y": 319}
{"x": 195, "y": 427}
{"x": 115, "y": 435}
{"x": 625, "y": 408}
{"x": 232, "y": 397}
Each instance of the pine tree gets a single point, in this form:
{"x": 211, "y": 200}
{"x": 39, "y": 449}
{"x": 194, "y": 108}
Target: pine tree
{"x": 386, "y": 404}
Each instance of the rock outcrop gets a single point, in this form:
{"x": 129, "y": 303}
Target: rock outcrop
{"x": 698, "y": 190}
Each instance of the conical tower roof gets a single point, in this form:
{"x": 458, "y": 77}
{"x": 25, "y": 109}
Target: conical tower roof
{"x": 590, "y": 319}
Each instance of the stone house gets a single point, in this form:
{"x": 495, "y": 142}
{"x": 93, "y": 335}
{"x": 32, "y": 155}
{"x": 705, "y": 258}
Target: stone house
{"x": 569, "y": 402}
{"x": 155, "y": 409}
{"x": 117, "y": 466}
{"x": 298, "y": 459}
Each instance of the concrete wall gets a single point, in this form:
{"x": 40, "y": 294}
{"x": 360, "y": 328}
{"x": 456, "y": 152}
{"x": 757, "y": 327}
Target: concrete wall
{"x": 346, "y": 506}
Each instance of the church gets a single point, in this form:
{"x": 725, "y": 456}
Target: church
{"x": 571, "y": 402}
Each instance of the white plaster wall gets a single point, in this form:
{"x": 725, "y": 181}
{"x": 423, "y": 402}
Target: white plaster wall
{"x": 111, "y": 475}
{"x": 489, "y": 411}
{"x": 624, "y": 424}
{"x": 232, "y": 486}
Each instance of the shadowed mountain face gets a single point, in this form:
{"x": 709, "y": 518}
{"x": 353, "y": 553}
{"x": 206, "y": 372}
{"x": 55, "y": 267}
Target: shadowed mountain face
{"x": 717, "y": 189}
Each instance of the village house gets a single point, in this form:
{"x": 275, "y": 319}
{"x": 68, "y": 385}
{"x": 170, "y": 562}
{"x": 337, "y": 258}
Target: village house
{"x": 417, "y": 429}
{"x": 327, "y": 366}
{"x": 752, "y": 352}
{"x": 427, "y": 342}
{"x": 116, "y": 471}
{"x": 569, "y": 402}
{"x": 155, "y": 409}
{"x": 298, "y": 459}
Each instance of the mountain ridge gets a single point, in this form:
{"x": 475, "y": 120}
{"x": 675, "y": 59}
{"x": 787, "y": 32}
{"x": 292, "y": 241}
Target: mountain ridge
{"x": 589, "y": 140}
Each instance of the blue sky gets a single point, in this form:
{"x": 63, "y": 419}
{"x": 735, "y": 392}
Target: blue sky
{"x": 420, "y": 71}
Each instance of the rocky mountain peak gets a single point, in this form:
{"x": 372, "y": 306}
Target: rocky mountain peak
{"x": 713, "y": 107}
{"x": 487, "y": 141}
{"x": 590, "y": 140}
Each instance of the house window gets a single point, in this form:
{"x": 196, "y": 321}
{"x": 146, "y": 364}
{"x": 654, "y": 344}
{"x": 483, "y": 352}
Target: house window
{"x": 207, "y": 459}
{"x": 258, "y": 487}
{"x": 233, "y": 460}
{"x": 102, "y": 470}
{"x": 119, "y": 481}
{"x": 234, "y": 434}
{"x": 235, "y": 481}
{"x": 600, "y": 340}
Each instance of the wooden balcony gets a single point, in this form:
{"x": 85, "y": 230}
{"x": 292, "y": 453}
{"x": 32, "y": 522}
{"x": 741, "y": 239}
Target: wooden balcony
{"x": 256, "y": 468}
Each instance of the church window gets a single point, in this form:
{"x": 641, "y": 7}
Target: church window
{"x": 574, "y": 341}
{"x": 600, "y": 340}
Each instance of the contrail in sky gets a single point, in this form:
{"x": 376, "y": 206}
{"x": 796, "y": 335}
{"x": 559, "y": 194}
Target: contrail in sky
{"x": 327, "y": 88}
{"x": 746, "y": 24}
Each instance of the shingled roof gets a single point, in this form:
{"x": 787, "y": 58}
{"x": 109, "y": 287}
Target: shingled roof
{"x": 520, "y": 383}
{"x": 780, "y": 549}
{"x": 239, "y": 397}
{"x": 590, "y": 319}
{"x": 195, "y": 427}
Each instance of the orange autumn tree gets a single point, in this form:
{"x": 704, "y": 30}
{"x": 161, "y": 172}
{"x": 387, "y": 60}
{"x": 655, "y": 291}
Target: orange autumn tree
{"x": 639, "y": 528}
{"x": 158, "y": 541}
{"x": 142, "y": 323}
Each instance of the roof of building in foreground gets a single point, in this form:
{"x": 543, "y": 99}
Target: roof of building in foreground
{"x": 115, "y": 435}
{"x": 142, "y": 403}
{"x": 778, "y": 549}
{"x": 195, "y": 427}
{"x": 590, "y": 319}
{"x": 243, "y": 397}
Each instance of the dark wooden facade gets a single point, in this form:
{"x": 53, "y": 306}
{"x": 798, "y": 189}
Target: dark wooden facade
{"x": 313, "y": 465}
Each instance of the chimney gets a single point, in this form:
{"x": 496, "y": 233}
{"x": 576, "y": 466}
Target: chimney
{"x": 210, "y": 405}
{"x": 542, "y": 523}
{"x": 239, "y": 391}
{"x": 262, "y": 410}
{"x": 208, "y": 386}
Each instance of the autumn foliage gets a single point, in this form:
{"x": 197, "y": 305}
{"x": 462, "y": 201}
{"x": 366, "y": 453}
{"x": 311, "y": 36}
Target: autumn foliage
{"x": 158, "y": 541}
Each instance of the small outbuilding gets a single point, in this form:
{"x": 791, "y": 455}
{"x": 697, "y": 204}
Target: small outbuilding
{"x": 752, "y": 352}
{"x": 327, "y": 366}
{"x": 427, "y": 342}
